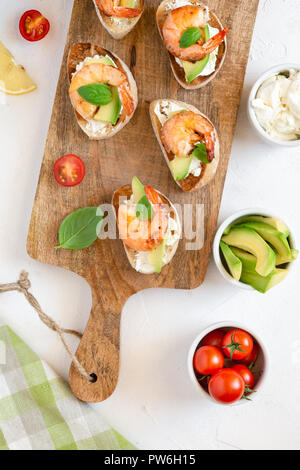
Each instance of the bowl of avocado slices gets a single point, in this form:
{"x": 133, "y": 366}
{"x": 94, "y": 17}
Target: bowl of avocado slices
{"x": 254, "y": 250}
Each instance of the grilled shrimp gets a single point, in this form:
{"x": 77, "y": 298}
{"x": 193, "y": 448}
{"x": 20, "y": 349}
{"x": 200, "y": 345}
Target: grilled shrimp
{"x": 144, "y": 235}
{"x": 99, "y": 73}
{"x": 182, "y": 131}
{"x": 181, "y": 19}
{"x": 113, "y": 8}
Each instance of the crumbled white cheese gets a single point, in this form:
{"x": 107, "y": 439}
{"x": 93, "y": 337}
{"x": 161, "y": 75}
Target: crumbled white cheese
{"x": 172, "y": 4}
{"x": 195, "y": 167}
{"x": 173, "y": 232}
{"x": 277, "y": 106}
{"x": 88, "y": 60}
{"x": 98, "y": 128}
{"x": 164, "y": 108}
{"x": 121, "y": 24}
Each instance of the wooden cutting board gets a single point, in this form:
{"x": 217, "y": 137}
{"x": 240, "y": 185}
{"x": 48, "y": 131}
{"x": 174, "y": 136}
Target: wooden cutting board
{"x": 112, "y": 163}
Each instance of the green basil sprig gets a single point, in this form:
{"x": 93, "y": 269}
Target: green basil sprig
{"x": 200, "y": 152}
{"x": 80, "y": 229}
{"x": 144, "y": 209}
{"x": 190, "y": 37}
{"x": 98, "y": 94}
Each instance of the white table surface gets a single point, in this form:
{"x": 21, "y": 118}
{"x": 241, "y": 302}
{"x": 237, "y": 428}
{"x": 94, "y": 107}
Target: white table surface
{"x": 155, "y": 405}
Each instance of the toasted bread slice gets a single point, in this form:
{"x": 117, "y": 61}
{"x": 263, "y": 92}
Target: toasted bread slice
{"x": 78, "y": 52}
{"x": 191, "y": 182}
{"x": 162, "y": 12}
{"x": 118, "y": 28}
{"x": 126, "y": 192}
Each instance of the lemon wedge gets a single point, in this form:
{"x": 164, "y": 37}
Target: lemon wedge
{"x": 14, "y": 79}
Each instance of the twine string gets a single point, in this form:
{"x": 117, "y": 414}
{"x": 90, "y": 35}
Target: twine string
{"x": 23, "y": 285}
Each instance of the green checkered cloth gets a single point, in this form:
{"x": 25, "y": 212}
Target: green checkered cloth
{"x": 38, "y": 410}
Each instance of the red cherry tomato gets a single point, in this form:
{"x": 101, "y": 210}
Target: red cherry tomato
{"x": 208, "y": 360}
{"x": 33, "y": 25}
{"x": 69, "y": 170}
{"x": 251, "y": 358}
{"x": 246, "y": 375}
{"x": 214, "y": 338}
{"x": 237, "y": 344}
{"x": 226, "y": 386}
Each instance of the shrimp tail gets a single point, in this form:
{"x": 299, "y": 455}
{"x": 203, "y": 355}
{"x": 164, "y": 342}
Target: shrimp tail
{"x": 152, "y": 195}
{"x": 123, "y": 12}
{"x": 215, "y": 41}
{"x": 210, "y": 146}
{"x": 126, "y": 99}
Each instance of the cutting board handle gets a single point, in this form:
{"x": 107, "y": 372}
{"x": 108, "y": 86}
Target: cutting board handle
{"x": 99, "y": 350}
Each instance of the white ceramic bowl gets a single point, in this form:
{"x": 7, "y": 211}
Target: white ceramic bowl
{"x": 261, "y": 369}
{"x": 218, "y": 236}
{"x": 251, "y": 113}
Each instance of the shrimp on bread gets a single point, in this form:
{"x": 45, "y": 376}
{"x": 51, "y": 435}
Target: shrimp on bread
{"x": 92, "y": 67}
{"x": 195, "y": 40}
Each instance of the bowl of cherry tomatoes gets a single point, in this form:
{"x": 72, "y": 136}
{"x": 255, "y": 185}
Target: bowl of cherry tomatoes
{"x": 228, "y": 363}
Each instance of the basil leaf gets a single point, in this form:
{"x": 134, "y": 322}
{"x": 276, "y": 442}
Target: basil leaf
{"x": 200, "y": 152}
{"x": 190, "y": 37}
{"x": 80, "y": 229}
{"x": 98, "y": 94}
{"x": 144, "y": 209}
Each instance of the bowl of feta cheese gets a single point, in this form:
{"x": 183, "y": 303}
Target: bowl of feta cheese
{"x": 274, "y": 105}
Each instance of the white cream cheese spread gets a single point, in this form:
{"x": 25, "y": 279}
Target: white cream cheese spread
{"x": 277, "y": 106}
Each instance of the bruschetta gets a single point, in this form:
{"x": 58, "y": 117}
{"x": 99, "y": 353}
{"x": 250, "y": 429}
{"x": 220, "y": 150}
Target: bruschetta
{"x": 188, "y": 140}
{"x": 119, "y": 17}
{"x": 195, "y": 40}
{"x": 149, "y": 226}
{"x": 102, "y": 90}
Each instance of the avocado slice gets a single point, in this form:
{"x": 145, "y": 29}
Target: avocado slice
{"x": 179, "y": 167}
{"x": 128, "y": 3}
{"x": 277, "y": 239}
{"x": 137, "y": 189}
{"x": 273, "y": 221}
{"x": 193, "y": 69}
{"x": 295, "y": 253}
{"x": 248, "y": 261}
{"x": 249, "y": 240}
{"x": 250, "y": 276}
{"x": 263, "y": 284}
{"x": 234, "y": 264}
{"x": 156, "y": 256}
{"x": 102, "y": 60}
{"x": 172, "y": 113}
{"x": 111, "y": 111}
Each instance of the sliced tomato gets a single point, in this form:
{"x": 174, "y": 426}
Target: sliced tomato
{"x": 69, "y": 170}
{"x": 33, "y": 25}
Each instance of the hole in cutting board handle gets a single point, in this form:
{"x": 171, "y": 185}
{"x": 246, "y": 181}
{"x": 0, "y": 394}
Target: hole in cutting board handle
{"x": 94, "y": 378}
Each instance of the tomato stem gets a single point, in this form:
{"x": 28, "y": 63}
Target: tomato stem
{"x": 204, "y": 377}
{"x": 234, "y": 346}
